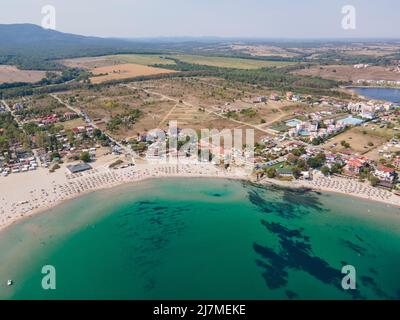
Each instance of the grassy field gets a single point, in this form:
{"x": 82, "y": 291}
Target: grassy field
{"x": 226, "y": 62}
{"x": 143, "y": 59}
{"x": 105, "y": 61}
{"x": 124, "y": 71}
{"x": 73, "y": 123}
{"x": 361, "y": 140}
{"x": 150, "y": 59}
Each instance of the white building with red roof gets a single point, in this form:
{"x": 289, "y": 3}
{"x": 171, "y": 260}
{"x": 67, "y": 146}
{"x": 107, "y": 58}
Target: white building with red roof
{"x": 355, "y": 165}
{"x": 385, "y": 173}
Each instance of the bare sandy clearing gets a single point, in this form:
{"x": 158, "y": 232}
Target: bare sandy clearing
{"x": 124, "y": 71}
{"x": 13, "y": 74}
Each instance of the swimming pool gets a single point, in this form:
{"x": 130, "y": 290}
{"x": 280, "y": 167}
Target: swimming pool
{"x": 350, "y": 121}
{"x": 293, "y": 122}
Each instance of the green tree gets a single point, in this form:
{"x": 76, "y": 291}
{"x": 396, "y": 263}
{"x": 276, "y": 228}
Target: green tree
{"x": 4, "y": 144}
{"x": 317, "y": 161}
{"x": 85, "y": 156}
{"x": 271, "y": 173}
{"x": 296, "y": 172}
{"x": 373, "y": 180}
{"x": 325, "y": 170}
{"x": 336, "y": 168}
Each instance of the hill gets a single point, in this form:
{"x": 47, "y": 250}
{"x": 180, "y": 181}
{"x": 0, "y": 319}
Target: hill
{"x": 31, "y": 47}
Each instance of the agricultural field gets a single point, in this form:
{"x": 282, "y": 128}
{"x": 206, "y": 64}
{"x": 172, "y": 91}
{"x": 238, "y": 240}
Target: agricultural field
{"x": 89, "y": 63}
{"x": 263, "y": 50}
{"x": 371, "y": 50}
{"x": 124, "y": 71}
{"x": 349, "y": 73}
{"x": 361, "y": 140}
{"x": 9, "y": 74}
{"x": 227, "y": 62}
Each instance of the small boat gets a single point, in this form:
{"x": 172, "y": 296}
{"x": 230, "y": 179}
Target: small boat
{"x": 10, "y": 283}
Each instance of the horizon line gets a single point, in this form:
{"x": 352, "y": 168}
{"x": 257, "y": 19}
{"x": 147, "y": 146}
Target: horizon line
{"x": 218, "y": 37}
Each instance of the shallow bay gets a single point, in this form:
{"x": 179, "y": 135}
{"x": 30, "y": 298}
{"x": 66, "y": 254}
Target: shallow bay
{"x": 205, "y": 239}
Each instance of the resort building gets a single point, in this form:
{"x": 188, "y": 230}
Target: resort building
{"x": 360, "y": 107}
{"x": 385, "y": 173}
{"x": 355, "y": 165}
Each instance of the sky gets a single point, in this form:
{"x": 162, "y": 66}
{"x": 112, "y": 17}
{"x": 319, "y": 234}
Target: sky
{"x": 221, "y": 18}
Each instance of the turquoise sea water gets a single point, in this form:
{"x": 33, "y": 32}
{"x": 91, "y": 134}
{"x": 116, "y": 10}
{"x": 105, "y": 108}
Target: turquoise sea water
{"x": 204, "y": 239}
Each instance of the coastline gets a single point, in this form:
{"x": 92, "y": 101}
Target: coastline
{"x": 302, "y": 184}
{"x": 374, "y": 87}
{"x": 59, "y": 190}
{"x": 137, "y": 175}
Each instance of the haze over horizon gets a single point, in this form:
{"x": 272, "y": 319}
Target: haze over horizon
{"x": 308, "y": 19}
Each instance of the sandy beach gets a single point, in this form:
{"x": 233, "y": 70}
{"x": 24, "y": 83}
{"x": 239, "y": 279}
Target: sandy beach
{"x": 25, "y": 194}
{"x": 353, "y": 188}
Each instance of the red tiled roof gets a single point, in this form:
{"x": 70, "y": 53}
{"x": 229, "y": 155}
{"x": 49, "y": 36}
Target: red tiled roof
{"x": 385, "y": 169}
{"x": 355, "y": 163}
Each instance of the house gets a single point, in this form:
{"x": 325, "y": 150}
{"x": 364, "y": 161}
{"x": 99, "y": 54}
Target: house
{"x": 18, "y": 106}
{"x": 260, "y": 99}
{"x": 274, "y": 97}
{"x": 360, "y": 107}
{"x": 355, "y": 165}
{"x": 396, "y": 162}
{"x": 368, "y": 115}
{"x": 49, "y": 119}
{"x": 89, "y": 130}
{"x": 296, "y": 98}
{"x": 385, "y": 173}
{"x": 69, "y": 116}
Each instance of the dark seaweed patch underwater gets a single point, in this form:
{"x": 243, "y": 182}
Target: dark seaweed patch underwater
{"x": 295, "y": 252}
